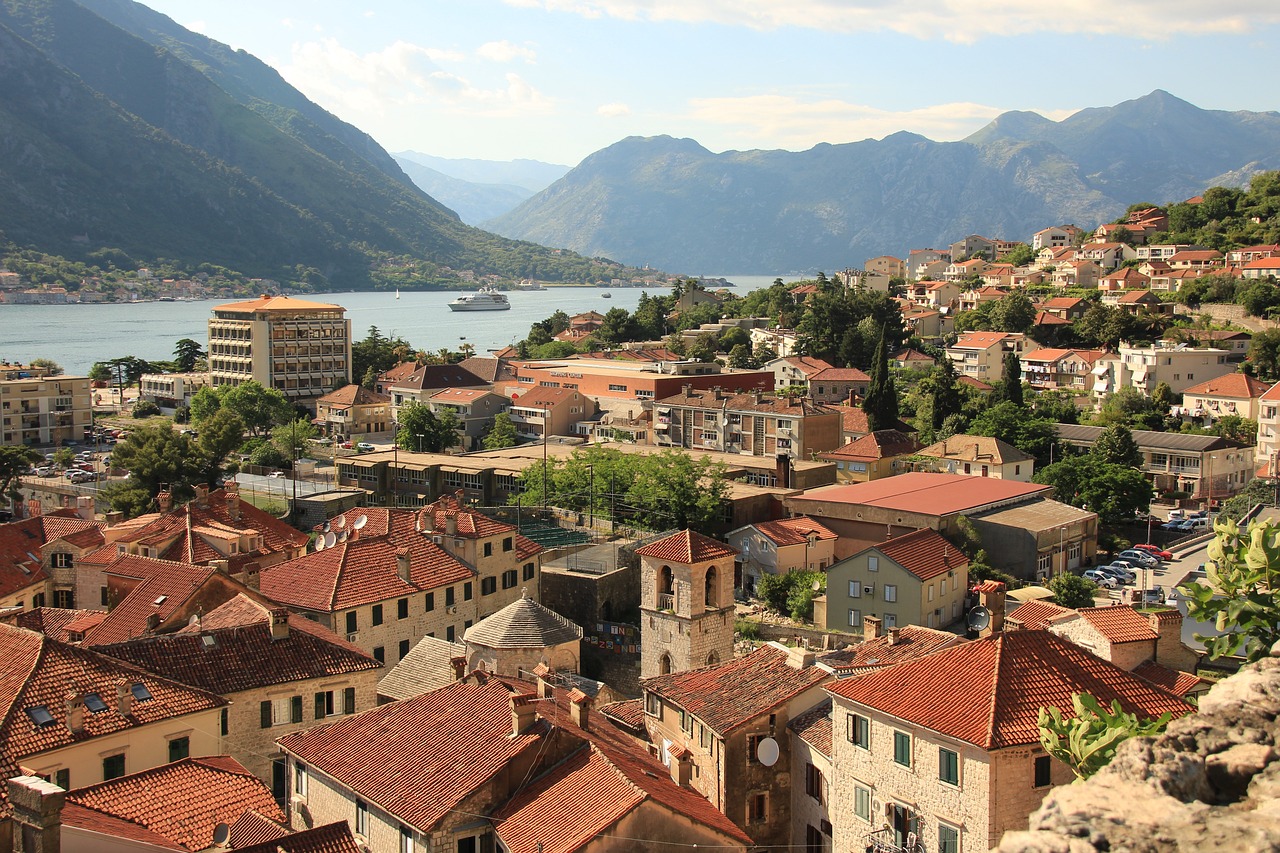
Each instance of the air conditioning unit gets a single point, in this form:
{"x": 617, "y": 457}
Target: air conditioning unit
{"x": 437, "y": 539}
{"x": 451, "y": 609}
{"x": 351, "y": 638}
{"x": 870, "y": 589}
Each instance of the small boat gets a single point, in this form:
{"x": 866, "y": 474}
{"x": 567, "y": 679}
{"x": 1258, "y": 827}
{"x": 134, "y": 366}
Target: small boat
{"x": 486, "y": 299}
{"x": 397, "y": 293}
{"x": 606, "y": 296}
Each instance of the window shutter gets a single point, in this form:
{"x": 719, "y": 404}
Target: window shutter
{"x": 265, "y": 709}
{"x": 295, "y": 709}
{"x": 320, "y": 703}
{"x": 349, "y": 700}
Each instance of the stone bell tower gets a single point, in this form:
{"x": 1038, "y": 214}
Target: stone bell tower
{"x": 686, "y": 603}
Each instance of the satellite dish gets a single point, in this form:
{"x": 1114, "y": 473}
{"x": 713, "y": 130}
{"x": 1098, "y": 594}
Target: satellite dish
{"x": 320, "y": 542}
{"x": 979, "y": 618}
{"x": 325, "y": 529}
{"x": 221, "y": 834}
{"x": 767, "y": 752}
{"x": 342, "y": 536}
{"x": 340, "y": 522}
{"x": 330, "y": 539}
{"x": 360, "y": 522}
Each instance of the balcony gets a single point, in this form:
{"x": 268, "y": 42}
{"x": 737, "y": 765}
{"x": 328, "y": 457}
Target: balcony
{"x": 884, "y": 841}
{"x": 666, "y": 601}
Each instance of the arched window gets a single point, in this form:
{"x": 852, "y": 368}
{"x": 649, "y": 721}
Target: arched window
{"x": 711, "y": 587}
{"x": 606, "y": 611}
{"x": 668, "y": 582}
{"x": 664, "y": 664}
{"x": 713, "y": 659}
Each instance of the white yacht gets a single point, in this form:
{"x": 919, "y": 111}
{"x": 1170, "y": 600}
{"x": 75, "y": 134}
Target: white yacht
{"x": 483, "y": 300}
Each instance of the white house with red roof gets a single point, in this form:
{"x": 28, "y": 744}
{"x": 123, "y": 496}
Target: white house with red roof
{"x": 945, "y": 750}
{"x": 981, "y": 354}
{"x": 778, "y": 547}
{"x": 1267, "y": 267}
{"x": 1269, "y": 432}
{"x": 1232, "y": 394}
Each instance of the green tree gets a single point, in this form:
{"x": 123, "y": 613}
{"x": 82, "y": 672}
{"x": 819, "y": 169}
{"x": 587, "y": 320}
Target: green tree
{"x": 425, "y": 431}
{"x": 1264, "y": 354}
{"x": 1116, "y": 445}
{"x": 1162, "y": 399}
{"x": 156, "y": 456}
{"x": 53, "y": 367}
{"x": 1013, "y": 313}
{"x": 185, "y": 355}
{"x": 1009, "y": 422}
{"x": 740, "y": 357}
{"x": 292, "y": 439}
{"x": 881, "y": 402}
{"x": 1235, "y": 428}
{"x": 502, "y": 434}
{"x": 220, "y": 434}
{"x": 1010, "y": 387}
{"x": 203, "y": 404}
{"x": 145, "y": 409}
{"x": 1072, "y": 590}
{"x": 15, "y": 460}
{"x": 1020, "y": 255}
{"x": 100, "y": 372}
{"x": 259, "y": 407}
{"x": 1115, "y": 492}
{"x": 1087, "y": 741}
{"x": 1241, "y": 598}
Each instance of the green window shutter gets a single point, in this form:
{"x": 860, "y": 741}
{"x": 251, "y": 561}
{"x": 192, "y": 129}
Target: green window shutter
{"x": 295, "y": 709}
{"x": 265, "y": 709}
{"x": 320, "y": 706}
{"x": 349, "y": 700}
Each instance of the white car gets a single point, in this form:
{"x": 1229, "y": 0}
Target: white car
{"x": 275, "y": 475}
{"x": 44, "y": 471}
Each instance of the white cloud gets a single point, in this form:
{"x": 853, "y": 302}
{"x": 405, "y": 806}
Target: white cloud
{"x": 505, "y": 52}
{"x": 614, "y": 110}
{"x": 954, "y": 20}
{"x": 782, "y": 121}
{"x": 197, "y": 26}
{"x": 402, "y": 75}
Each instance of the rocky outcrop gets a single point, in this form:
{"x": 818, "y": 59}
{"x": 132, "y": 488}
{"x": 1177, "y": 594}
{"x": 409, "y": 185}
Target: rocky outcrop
{"x": 1211, "y": 781}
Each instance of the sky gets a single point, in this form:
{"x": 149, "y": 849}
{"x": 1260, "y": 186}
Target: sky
{"x": 555, "y": 80}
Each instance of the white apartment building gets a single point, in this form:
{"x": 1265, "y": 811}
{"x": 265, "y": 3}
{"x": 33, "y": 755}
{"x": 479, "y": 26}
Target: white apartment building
{"x": 43, "y": 410}
{"x": 1145, "y": 367}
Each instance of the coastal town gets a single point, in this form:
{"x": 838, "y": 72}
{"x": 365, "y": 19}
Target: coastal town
{"x": 810, "y": 568}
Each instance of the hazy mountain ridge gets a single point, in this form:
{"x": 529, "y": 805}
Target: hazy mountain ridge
{"x": 473, "y": 202}
{"x": 673, "y": 204}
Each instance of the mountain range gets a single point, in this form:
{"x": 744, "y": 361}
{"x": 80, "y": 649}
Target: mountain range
{"x": 675, "y": 205}
{"x": 120, "y": 129}
{"x": 478, "y": 189}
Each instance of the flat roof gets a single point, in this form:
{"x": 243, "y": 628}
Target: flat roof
{"x": 1148, "y": 439}
{"x": 732, "y": 460}
{"x": 1037, "y": 515}
{"x": 931, "y": 494}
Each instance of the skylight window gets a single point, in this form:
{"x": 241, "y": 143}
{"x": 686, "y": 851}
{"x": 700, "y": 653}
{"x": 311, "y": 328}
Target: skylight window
{"x": 40, "y": 715}
{"x": 94, "y": 703}
{"x": 161, "y": 600}
{"x": 140, "y": 692}
{"x": 209, "y": 641}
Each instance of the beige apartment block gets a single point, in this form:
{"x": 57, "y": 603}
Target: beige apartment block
{"x": 44, "y": 410}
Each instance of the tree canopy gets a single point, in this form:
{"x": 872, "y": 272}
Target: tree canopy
{"x": 424, "y": 430}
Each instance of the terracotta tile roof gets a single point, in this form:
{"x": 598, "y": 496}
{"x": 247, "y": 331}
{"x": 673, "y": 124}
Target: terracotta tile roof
{"x": 353, "y": 395}
{"x": 458, "y": 395}
{"x": 1063, "y": 302}
{"x": 1119, "y": 624}
{"x": 934, "y": 494}
{"x": 488, "y": 369}
{"x": 254, "y": 828}
{"x": 814, "y": 727}
{"x": 471, "y": 524}
{"x": 976, "y": 383}
{"x": 980, "y": 340}
{"x": 277, "y": 303}
{"x": 439, "y": 376}
{"x": 182, "y": 801}
{"x": 403, "y": 370}
{"x": 909, "y": 354}
{"x": 730, "y": 695}
{"x": 1176, "y": 682}
{"x": 996, "y": 686}
{"x": 854, "y": 420}
{"x": 20, "y": 542}
{"x": 58, "y": 623}
{"x": 687, "y": 546}
{"x": 541, "y": 396}
{"x": 431, "y": 751}
{"x": 793, "y": 531}
{"x": 881, "y": 444}
{"x": 1035, "y": 615}
{"x": 924, "y": 553}
{"x": 1131, "y": 297}
{"x": 334, "y": 837}
{"x": 808, "y": 365}
{"x": 570, "y": 805}
{"x": 37, "y": 670}
{"x": 794, "y": 407}
{"x": 1235, "y": 385}
{"x": 914, "y": 641}
{"x": 80, "y": 817}
{"x": 629, "y": 713}
{"x": 231, "y": 650}
{"x": 976, "y": 448}
{"x": 840, "y": 374}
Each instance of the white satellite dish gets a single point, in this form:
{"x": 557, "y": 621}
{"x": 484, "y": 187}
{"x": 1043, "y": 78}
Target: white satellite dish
{"x": 340, "y": 522}
{"x": 360, "y": 522}
{"x": 979, "y": 618}
{"x": 320, "y": 542}
{"x": 767, "y": 752}
{"x": 330, "y": 539}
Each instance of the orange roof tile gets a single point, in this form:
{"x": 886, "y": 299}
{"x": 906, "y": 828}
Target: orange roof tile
{"x": 334, "y": 837}
{"x": 924, "y": 553}
{"x": 840, "y": 374}
{"x": 181, "y": 802}
{"x": 1119, "y": 624}
{"x": 1234, "y": 385}
{"x": 914, "y": 641}
{"x": 20, "y": 542}
{"x": 277, "y": 303}
{"x": 793, "y": 531}
{"x": 629, "y": 712}
{"x": 687, "y": 547}
{"x": 935, "y": 494}
{"x": 1034, "y": 615}
{"x": 1176, "y": 682}
{"x": 730, "y": 695}
{"x": 881, "y": 444}
{"x": 814, "y": 727}
{"x": 996, "y": 686}
{"x": 353, "y": 395}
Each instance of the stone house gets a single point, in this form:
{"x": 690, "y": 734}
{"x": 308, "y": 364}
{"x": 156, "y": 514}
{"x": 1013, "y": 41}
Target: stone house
{"x": 686, "y": 603}
{"x": 957, "y": 774}
{"x": 725, "y": 728}
{"x": 39, "y": 557}
{"x": 872, "y": 456}
{"x": 979, "y": 456}
{"x": 838, "y": 384}
{"x": 778, "y": 547}
{"x": 353, "y": 411}
{"x": 810, "y": 738}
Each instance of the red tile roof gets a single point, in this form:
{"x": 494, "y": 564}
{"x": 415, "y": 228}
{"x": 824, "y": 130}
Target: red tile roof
{"x": 814, "y": 727}
{"x": 334, "y": 837}
{"x": 277, "y": 303}
{"x": 730, "y": 695}
{"x": 1038, "y": 614}
{"x": 924, "y": 553}
{"x": 1235, "y": 385}
{"x": 976, "y": 383}
{"x": 687, "y": 546}
{"x": 840, "y": 374}
{"x": 254, "y": 828}
{"x": 933, "y": 494}
{"x": 156, "y": 588}
{"x": 353, "y": 395}
{"x": 793, "y": 531}
{"x": 470, "y": 524}
{"x": 57, "y": 622}
{"x": 1119, "y": 624}
{"x": 629, "y": 712}
{"x": 914, "y": 641}
{"x": 881, "y": 444}
{"x": 20, "y": 542}
{"x": 854, "y": 420}
{"x": 182, "y": 801}
{"x": 430, "y": 751}
{"x": 995, "y": 687}
{"x": 1177, "y": 683}
{"x": 231, "y": 650}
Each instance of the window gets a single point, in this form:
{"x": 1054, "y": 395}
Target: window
{"x": 653, "y": 705}
{"x": 324, "y": 704}
{"x": 448, "y": 597}
{"x": 855, "y": 618}
{"x": 113, "y": 766}
{"x": 351, "y": 622}
{"x": 300, "y": 779}
{"x": 753, "y": 748}
{"x": 757, "y": 808}
{"x": 948, "y": 766}
{"x": 509, "y": 579}
{"x": 406, "y": 839}
{"x": 402, "y": 608}
{"x": 449, "y": 634}
{"x": 62, "y": 778}
{"x": 1042, "y": 771}
{"x": 64, "y": 598}
{"x": 873, "y": 564}
{"x": 362, "y": 818}
{"x": 508, "y": 543}
{"x": 488, "y": 549}
{"x": 348, "y": 700}
{"x": 890, "y": 592}
{"x": 812, "y": 839}
{"x": 948, "y": 839}
{"x": 489, "y": 585}
{"x": 295, "y": 709}
{"x": 855, "y": 589}
{"x": 859, "y": 731}
{"x": 862, "y": 802}
{"x": 902, "y": 749}
{"x": 404, "y": 648}
{"x": 104, "y": 596}
{"x": 931, "y": 590}
{"x": 380, "y": 654}
{"x": 179, "y": 748}
{"x": 813, "y": 782}
{"x": 377, "y": 614}
{"x": 224, "y": 723}
{"x": 466, "y": 591}
{"x": 62, "y": 561}
{"x": 528, "y": 571}
{"x": 431, "y": 601}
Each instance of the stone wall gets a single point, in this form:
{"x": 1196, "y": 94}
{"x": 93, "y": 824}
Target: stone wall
{"x": 1211, "y": 781}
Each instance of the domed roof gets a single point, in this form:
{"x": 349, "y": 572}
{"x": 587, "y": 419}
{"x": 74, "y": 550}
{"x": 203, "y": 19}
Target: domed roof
{"x": 524, "y": 623}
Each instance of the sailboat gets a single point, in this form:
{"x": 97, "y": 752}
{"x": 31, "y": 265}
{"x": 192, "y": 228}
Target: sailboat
{"x": 397, "y": 293}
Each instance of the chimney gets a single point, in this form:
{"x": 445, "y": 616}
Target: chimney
{"x": 756, "y": 396}
{"x": 233, "y": 500}
{"x": 251, "y": 575}
{"x": 153, "y": 622}
{"x": 202, "y": 495}
{"x": 870, "y": 628}
{"x": 782, "y": 470}
{"x": 75, "y": 712}
{"x": 124, "y": 698}
{"x": 1170, "y": 650}
{"x": 719, "y": 394}
{"x": 451, "y": 524}
{"x": 279, "y": 624}
{"x": 402, "y": 564}
{"x": 523, "y": 713}
{"x": 579, "y": 709}
{"x": 799, "y": 657}
{"x": 681, "y": 767}
{"x": 114, "y": 518}
{"x": 893, "y": 636}
{"x": 546, "y": 678}
{"x": 991, "y": 595}
{"x": 459, "y": 665}
{"x": 688, "y": 391}
{"x": 84, "y": 507}
{"x": 220, "y": 566}
{"x": 37, "y": 811}
{"x": 165, "y": 500}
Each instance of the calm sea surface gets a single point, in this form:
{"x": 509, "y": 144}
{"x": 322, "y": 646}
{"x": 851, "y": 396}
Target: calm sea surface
{"x": 75, "y": 336}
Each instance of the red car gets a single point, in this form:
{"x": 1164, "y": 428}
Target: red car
{"x": 1154, "y": 551}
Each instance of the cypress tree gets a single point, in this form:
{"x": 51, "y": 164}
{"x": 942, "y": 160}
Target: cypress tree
{"x": 1011, "y": 380}
{"x": 881, "y": 404}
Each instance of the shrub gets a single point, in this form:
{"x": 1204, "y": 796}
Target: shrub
{"x": 145, "y": 409}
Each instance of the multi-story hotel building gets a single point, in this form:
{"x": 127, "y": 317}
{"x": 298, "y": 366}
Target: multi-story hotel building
{"x": 42, "y": 410}
{"x": 300, "y": 348}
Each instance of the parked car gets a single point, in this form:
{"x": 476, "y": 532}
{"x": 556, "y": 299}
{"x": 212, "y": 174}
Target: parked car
{"x": 1155, "y": 595}
{"x": 275, "y": 475}
{"x": 1158, "y": 553}
{"x": 1102, "y": 579}
{"x": 1199, "y": 523}
{"x": 1175, "y": 514}
{"x": 364, "y": 447}
{"x": 1178, "y": 525}
{"x": 1120, "y": 572}
{"x": 44, "y": 471}
{"x": 77, "y": 476}
{"x": 1143, "y": 558}
{"x": 346, "y": 445}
